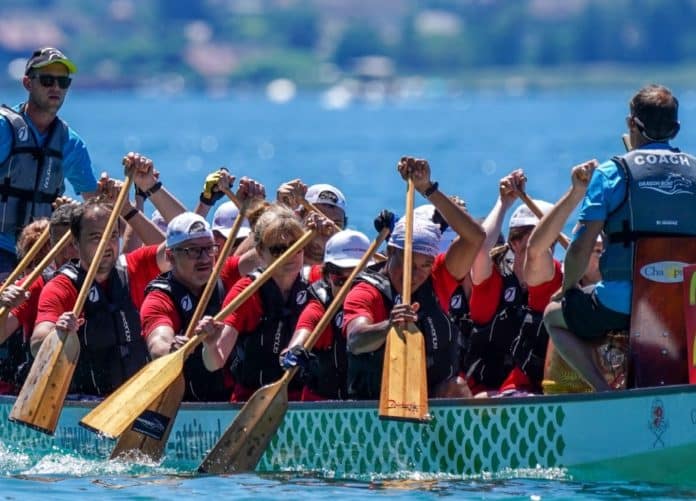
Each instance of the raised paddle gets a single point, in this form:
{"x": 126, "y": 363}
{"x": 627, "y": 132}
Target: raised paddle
{"x": 404, "y": 390}
{"x": 243, "y": 443}
{"x": 122, "y": 407}
{"x": 309, "y": 206}
{"x": 41, "y": 399}
{"x": 562, "y": 239}
{"x": 143, "y": 436}
{"x": 626, "y": 141}
{"x": 28, "y": 258}
{"x": 43, "y": 264}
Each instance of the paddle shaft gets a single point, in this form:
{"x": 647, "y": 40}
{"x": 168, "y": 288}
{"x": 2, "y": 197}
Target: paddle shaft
{"x": 313, "y": 208}
{"x": 562, "y": 239}
{"x": 408, "y": 245}
{"x": 36, "y": 272}
{"x": 626, "y": 142}
{"x": 211, "y": 285}
{"x": 106, "y": 236}
{"x": 28, "y": 258}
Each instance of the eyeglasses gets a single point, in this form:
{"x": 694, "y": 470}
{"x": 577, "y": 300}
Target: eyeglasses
{"x": 279, "y": 249}
{"x": 49, "y": 80}
{"x": 197, "y": 252}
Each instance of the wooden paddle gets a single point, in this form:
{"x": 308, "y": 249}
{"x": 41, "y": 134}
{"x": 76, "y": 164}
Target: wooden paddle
{"x": 151, "y": 440}
{"x": 243, "y": 443}
{"x": 313, "y": 208}
{"x": 626, "y": 141}
{"x": 27, "y": 259}
{"x": 43, "y": 264}
{"x": 41, "y": 399}
{"x": 122, "y": 407}
{"x": 404, "y": 390}
{"x": 562, "y": 239}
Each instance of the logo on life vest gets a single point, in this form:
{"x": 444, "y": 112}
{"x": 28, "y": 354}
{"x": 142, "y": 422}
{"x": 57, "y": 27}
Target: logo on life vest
{"x": 301, "y": 297}
{"x": 23, "y": 134}
{"x": 664, "y": 272}
{"x": 186, "y": 303}
{"x": 338, "y": 320}
{"x": 93, "y": 294}
{"x": 510, "y": 294}
{"x": 675, "y": 184}
{"x": 456, "y": 302}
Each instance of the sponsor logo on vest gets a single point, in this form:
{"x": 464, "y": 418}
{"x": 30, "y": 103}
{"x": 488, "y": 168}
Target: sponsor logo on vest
{"x": 151, "y": 424}
{"x": 338, "y": 319}
{"x": 93, "y": 294}
{"x": 456, "y": 302}
{"x": 126, "y": 328}
{"x": 301, "y": 297}
{"x": 674, "y": 184}
{"x": 47, "y": 175}
{"x": 652, "y": 159}
{"x": 510, "y": 294}
{"x": 665, "y": 272}
{"x": 433, "y": 333}
{"x": 276, "y": 338}
{"x": 23, "y": 133}
{"x": 186, "y": 303}
{"x": 397, "y": 299}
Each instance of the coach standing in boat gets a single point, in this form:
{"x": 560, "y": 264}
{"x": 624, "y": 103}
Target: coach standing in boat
{"x": 620, "y": 201}
{"x": 38, "y": 151}
{"x": 372, "y": 306}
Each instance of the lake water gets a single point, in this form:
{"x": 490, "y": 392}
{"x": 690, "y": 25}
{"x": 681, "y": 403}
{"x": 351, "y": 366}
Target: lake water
{"x": 471, "y": 140}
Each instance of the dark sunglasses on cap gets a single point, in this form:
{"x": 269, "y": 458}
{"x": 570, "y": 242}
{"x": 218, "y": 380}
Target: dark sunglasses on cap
{"x": 279, "y": 249}
{"x": 49, "y": 80}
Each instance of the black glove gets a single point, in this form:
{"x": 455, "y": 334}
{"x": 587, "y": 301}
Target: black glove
{"x": 385, "y": 219}
{"x": 296, "y": 356}
{"x": 440, "y": 221}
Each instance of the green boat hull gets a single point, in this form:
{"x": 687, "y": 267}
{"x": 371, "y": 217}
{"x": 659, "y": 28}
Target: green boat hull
{"x": 647, "y": 434}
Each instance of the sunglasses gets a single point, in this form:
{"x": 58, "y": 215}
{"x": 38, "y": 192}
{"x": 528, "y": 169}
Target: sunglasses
{"x": 49, "y": 80}
{"x": 197, "y": 252}
{"x": 279, "y": 249}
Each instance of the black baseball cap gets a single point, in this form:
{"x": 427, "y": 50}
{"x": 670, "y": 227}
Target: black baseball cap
{"x": 48, "y": 55}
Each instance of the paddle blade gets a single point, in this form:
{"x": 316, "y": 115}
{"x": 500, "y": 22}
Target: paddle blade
{"x": 404, "y": 391}
{"x": 116, "y": 413}
{"x": 40, "y": 401}
{"x": 150, "y": 431}
{"x": 244, "y": 442}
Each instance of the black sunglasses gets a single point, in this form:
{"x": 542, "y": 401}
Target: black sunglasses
{"x": 49, "y": 80}
{"x": 197, "y": 252}
{"x": 337, "y": 279}
{"x": 280, "y": 249}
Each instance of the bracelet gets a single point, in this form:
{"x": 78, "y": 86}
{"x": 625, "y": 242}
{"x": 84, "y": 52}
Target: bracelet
{"x": 147, "y": 193}
{"x": 432, "y": 189}
{"x": 131, "y": 214}
{"x": 140, "y": 193}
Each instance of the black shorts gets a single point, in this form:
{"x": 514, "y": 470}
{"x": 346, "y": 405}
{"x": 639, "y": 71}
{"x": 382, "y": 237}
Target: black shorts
{"x": 587, "y": 318}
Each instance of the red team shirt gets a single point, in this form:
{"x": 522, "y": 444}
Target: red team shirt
{"x": 59, "y": 294}
{"x": 364, "y": 300}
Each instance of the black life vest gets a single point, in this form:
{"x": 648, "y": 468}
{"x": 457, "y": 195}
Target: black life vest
{"x": 488, "y": 358}
{"x": 112, "y": 348}
{"x": 255, "y": 356}
{"x": 31, "y": 177}
{"x": 328, "y": 378}
{"x": 441, "y": 336}
{"x": 201, "y": 384}
{"x": 460, "y": 315}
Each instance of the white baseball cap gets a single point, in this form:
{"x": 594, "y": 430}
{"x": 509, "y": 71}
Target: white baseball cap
{"x": 326, "y": 194}
{"x": 185, "y": 227}
{"x": 224, "y": 217}
{"x": 346, "y": 248}
{"x": 426, "y": 236}
{"x": 523, "y": 215}
{"x": 427, "y": 212}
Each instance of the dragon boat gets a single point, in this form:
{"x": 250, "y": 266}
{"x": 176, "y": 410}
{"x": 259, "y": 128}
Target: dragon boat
{"x": 646, "y": 434}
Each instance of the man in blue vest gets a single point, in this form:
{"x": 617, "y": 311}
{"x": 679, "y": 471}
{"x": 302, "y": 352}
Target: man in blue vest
{"x": 38, "y": 151}
{"x": 650, "y": 190}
